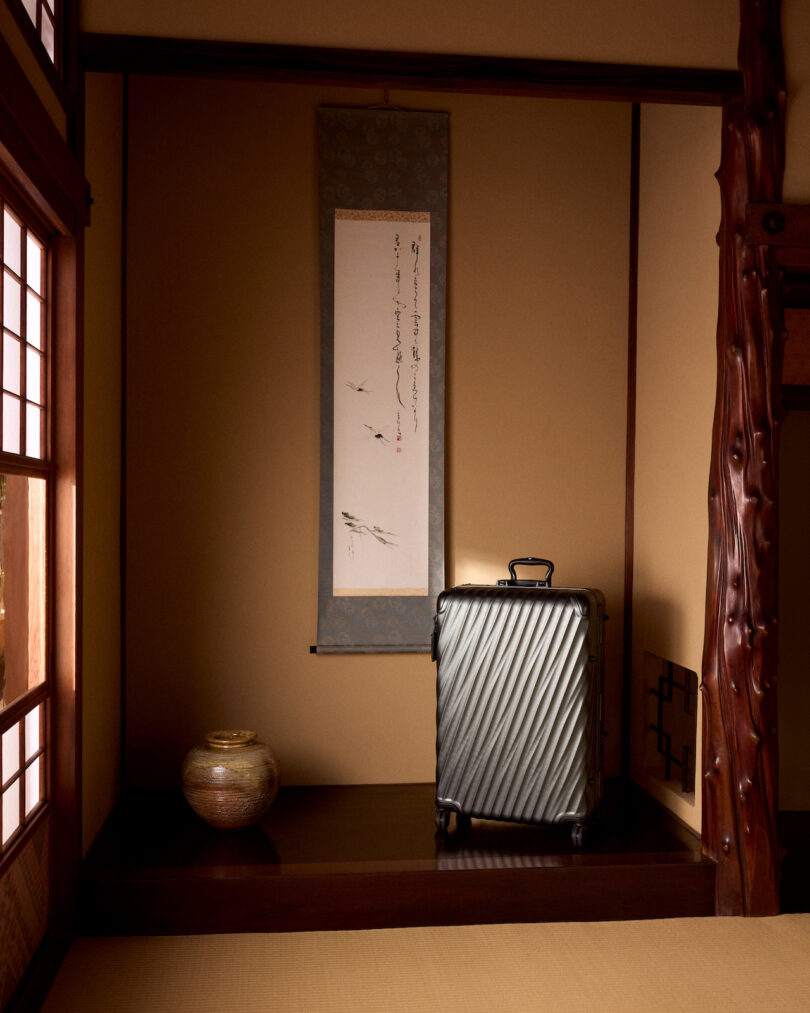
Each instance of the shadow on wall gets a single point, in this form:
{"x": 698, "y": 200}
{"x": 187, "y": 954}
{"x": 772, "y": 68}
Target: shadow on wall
{"x": 658, "y": 626}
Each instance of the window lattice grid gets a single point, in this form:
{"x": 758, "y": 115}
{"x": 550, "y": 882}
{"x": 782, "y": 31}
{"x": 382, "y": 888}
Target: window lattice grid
{"x": 22, "y": 352}
{"x": 22, "y": 774}
{"x": 43, "y": 15}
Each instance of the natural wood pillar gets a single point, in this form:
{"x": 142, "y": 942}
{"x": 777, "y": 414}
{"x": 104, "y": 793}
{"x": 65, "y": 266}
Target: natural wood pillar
{"x": 740, "y": 657}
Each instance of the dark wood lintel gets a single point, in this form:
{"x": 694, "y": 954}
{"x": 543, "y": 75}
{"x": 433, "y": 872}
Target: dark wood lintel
{"x": 423, "y": 71}
{"x": 41, "y": 162}
{"x": 778, "y": 225}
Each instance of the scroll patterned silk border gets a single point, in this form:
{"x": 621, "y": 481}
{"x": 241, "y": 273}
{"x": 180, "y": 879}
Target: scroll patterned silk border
{"x": 383, "y": 242}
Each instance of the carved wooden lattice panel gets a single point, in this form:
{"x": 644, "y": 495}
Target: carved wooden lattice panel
{"x": 672, "y": 720}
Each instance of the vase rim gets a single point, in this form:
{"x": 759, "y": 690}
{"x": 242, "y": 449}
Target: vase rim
{"x": 230, "y": 738}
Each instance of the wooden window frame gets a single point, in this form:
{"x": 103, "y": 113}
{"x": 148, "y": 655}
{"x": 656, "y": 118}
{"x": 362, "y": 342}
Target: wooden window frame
{"x": 58, "y": 693}
{"x": 31, "y": 33}
{"x": 62, "y": 75}
{"x": 33, "y": 467}
{"x": 40, "y": 696}
{"x": 44, "y": 184}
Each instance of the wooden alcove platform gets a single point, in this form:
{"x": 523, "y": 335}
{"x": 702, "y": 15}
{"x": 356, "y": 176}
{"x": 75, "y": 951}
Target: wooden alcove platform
{"x": 359, "y": 857}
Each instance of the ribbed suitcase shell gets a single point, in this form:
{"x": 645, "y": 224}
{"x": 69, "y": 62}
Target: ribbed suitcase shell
{"x": 519, "y": 703}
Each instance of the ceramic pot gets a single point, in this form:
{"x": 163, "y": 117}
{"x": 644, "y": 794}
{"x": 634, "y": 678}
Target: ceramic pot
{"x": 231, "y": 779}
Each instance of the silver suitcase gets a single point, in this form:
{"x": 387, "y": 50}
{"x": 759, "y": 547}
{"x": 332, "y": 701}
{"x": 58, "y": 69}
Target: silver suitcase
{"x": 519, "y": 701}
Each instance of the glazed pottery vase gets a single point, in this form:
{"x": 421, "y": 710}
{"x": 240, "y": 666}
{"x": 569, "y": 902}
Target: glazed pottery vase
{"x": 231, "y": 779}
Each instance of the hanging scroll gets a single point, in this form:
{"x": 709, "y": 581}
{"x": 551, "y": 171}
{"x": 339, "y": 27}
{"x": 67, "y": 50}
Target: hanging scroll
{"x": 383, "y": 186}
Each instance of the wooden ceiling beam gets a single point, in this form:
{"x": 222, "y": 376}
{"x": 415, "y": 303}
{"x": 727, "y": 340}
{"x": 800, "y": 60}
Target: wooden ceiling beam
{"x": 451, "y": 72}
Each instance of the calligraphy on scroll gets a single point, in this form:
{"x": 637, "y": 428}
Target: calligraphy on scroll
{"x": 381, "y": 398}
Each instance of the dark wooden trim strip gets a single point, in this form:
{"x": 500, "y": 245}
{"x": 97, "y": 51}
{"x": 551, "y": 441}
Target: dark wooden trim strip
{"x": 427, "y": 72}
{"x": 36, "y": 151}
{"x": 124, "y": 485}
{"x": 66, "y": 582}
{"x": 72, "y": 76}
{"x": 630, "y": 453}
{"x": 19, "y": 465}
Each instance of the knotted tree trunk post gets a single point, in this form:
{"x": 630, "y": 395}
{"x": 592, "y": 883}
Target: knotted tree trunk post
{"x": 740, "y": 746}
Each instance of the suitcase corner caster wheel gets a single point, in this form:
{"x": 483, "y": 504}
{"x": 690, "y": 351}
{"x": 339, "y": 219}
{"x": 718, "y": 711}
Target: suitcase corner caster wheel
{"x": 578, "y": 834}
{"x": 442, "y": 820}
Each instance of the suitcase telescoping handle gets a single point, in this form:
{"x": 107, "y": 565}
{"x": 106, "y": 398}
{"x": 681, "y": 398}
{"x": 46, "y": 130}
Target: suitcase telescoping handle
{"x": 528, "y": 561}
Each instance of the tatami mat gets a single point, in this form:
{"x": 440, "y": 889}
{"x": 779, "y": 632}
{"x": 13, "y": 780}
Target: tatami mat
{"x": 717, "y": 964}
